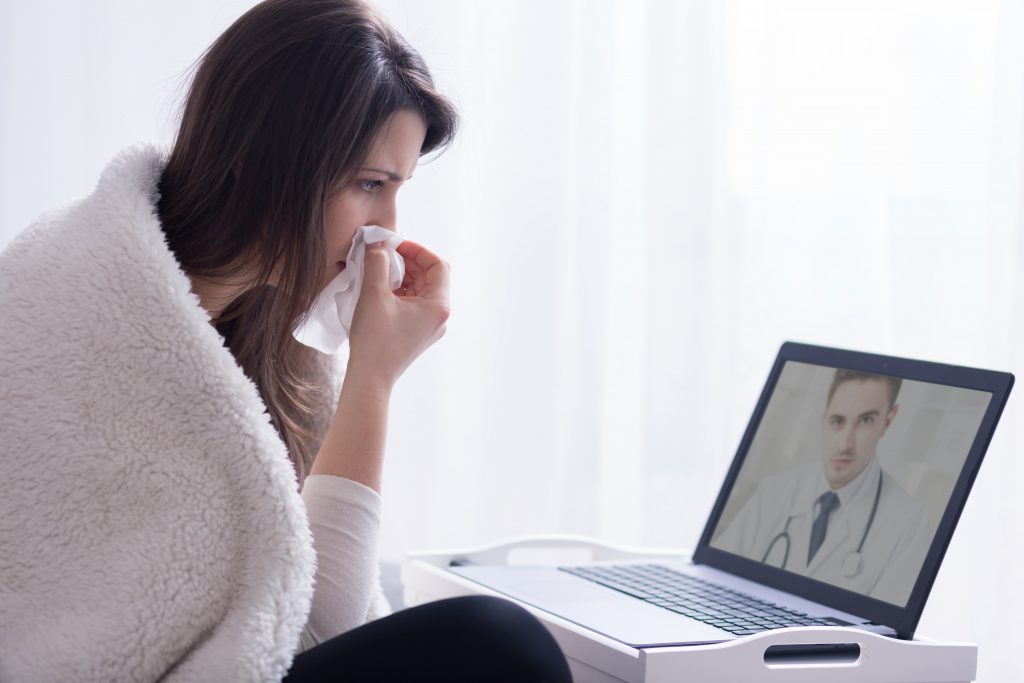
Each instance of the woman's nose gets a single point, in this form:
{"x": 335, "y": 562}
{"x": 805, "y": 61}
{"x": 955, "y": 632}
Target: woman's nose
{"x": 386, "y": 216}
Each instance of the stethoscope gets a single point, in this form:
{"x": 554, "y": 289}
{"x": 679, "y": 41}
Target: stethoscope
{"x": 854, "y": 561}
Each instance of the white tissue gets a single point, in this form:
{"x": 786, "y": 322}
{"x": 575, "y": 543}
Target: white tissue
{"x": 330, "y": 318}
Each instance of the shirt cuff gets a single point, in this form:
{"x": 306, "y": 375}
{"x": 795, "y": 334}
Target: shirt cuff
{"x": 341, "y": 490}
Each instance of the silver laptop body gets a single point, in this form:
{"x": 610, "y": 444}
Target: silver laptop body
{"x": 830, "y": 390}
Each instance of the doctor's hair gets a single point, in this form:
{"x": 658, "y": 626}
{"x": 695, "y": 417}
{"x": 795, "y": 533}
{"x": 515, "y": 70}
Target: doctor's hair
{"x": 280, "y": 115}
{"x": 840, "y": 376}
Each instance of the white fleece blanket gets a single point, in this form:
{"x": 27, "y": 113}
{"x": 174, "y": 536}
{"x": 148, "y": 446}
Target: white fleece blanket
{"x": 150, "y": 524}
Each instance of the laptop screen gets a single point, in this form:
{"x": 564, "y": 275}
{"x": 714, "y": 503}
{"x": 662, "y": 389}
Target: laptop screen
{"x": 848, "y": 475}
{"x": 851, "y": 476}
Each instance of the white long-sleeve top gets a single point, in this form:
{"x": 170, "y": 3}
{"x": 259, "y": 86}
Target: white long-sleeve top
{"x": 344, "y": 517}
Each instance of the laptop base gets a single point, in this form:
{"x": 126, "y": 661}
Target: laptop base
{"x": 797, "y": 654}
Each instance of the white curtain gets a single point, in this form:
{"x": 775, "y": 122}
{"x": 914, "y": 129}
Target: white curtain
{"x": 646, "y": 199}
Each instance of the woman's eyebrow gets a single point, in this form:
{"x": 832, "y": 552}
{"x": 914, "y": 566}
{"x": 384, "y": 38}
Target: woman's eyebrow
{"x": 393, "y": 177}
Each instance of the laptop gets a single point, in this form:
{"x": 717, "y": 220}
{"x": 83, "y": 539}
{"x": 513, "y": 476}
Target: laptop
{"x": 837, "y": 510}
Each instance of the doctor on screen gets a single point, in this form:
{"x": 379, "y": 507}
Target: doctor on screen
{"x": 842, "y": 520}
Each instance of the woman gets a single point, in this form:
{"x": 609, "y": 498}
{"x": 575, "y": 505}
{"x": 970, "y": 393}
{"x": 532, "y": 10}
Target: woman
{"x": 160, "y": 419}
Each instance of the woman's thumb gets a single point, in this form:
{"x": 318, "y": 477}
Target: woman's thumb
{"x": 376, "y": 266}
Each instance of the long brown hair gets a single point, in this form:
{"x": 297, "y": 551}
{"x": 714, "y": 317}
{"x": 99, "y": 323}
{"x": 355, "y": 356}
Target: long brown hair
{"x": 281, "y": 112}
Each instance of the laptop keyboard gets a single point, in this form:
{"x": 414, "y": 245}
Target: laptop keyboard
{"x": 738, "y": 613}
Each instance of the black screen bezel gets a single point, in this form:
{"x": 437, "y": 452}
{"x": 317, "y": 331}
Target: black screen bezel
{"x": 903, "y": 620}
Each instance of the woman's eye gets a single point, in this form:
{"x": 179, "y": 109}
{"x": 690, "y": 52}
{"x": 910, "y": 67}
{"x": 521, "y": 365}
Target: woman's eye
{"x": 370, "y": 185}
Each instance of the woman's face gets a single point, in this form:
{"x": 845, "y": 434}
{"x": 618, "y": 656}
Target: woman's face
{"x": 370, "y": 198}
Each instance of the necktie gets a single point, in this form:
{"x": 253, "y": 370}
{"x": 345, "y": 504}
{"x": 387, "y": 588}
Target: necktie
{"x": 829, "y": 502}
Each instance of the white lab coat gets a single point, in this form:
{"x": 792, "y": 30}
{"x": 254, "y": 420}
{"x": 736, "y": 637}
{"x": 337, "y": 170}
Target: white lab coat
{"x": 893, "y": 551}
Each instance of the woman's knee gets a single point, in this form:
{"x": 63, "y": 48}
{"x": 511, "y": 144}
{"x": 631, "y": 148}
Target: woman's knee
{"x": 492, "y": 614}
{"x": 516, "y": 642}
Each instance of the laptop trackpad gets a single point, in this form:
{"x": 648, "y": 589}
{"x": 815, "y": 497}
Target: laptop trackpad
{"x": 558, "y": 592}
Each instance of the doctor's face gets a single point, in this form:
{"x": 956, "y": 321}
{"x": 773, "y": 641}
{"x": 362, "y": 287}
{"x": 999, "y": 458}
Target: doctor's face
{"x": 854, "y": 420}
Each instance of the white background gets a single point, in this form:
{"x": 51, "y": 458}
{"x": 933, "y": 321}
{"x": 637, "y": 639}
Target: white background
{"x": 646, "y": 199}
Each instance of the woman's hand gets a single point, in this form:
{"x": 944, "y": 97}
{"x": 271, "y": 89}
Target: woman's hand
{"x": 390, "y": 329}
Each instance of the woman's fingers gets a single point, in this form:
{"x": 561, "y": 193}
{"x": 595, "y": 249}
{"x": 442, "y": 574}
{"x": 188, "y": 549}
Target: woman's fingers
{"x": 426, "y": 272}
{"x": 407, "y": 288}
{"x": 418, "y": 255}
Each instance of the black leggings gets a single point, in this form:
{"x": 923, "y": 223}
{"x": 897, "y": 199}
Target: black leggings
{"x": 471, "y": 638}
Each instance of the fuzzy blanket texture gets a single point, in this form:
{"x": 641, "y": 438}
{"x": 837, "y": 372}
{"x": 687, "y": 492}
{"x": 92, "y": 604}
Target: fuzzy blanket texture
{"x": 150, "y": 521}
